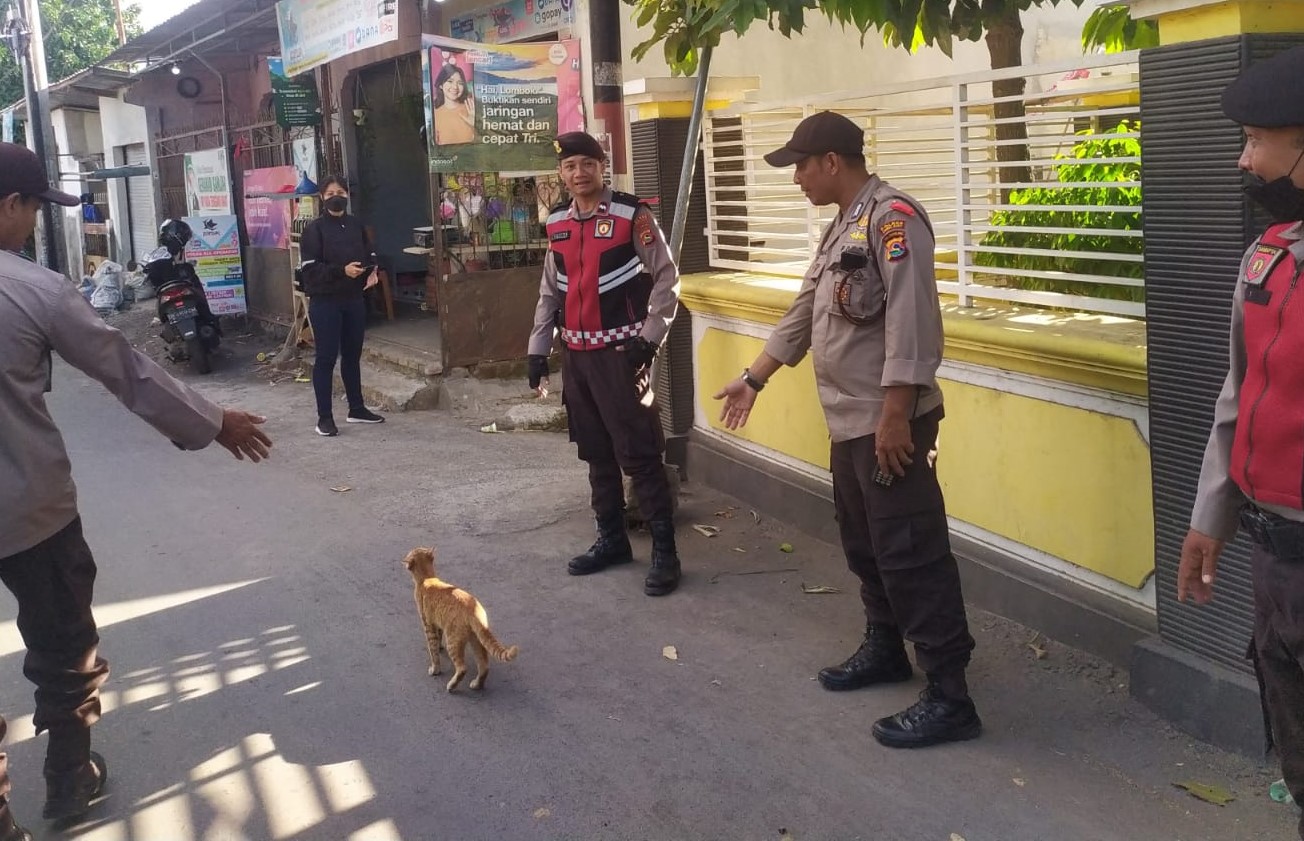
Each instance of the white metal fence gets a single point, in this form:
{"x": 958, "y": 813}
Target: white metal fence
{"x": 1053, "y": 222}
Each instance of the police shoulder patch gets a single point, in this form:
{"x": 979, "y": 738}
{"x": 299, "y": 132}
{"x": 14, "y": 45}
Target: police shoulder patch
{"x": 1262, "y": 261}
{"x": 894, "y": 247}
{"x": 903, "y": 207}
{"x": 644, "y": 229}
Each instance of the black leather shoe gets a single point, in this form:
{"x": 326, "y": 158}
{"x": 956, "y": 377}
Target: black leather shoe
{"x": 931, "y": 720}
{"x": 611, "y": 548}
{"x": 70, "y": 795}
{"x": 663, "y": 578}
{"x": 881, "y": 658}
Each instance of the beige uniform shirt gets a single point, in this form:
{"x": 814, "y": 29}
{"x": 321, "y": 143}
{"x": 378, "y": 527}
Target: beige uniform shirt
{"x": 869, "y": 329}
{"x": 41, "y": 312}
{"x": 662, "y": 304}
{"x": 1218, "y": 499}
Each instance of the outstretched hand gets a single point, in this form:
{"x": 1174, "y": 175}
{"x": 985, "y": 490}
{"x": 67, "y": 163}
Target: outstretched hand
{"x": 240, "y": 434}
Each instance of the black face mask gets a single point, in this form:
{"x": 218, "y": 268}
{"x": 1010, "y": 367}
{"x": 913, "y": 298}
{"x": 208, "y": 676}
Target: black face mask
{"x": 337, "y": 204}
{"x": 1281, "y": 198}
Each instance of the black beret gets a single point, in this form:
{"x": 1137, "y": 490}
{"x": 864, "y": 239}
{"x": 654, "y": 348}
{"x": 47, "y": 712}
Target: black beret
{"x": 1268, "y": 93}
{"x": 578, "y": 143}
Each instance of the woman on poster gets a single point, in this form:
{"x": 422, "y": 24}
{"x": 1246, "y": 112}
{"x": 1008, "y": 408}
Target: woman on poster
{"x": 454, "y": 107}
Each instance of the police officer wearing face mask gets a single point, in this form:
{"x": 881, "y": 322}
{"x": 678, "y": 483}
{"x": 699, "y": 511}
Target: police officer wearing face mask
{"x": 1253, "y": 471}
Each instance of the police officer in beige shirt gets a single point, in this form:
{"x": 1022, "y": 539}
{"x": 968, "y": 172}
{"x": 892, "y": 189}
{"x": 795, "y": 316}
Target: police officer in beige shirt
{"x": 1253, "y": 470}
{"x": 868, "y": 312}
{"x": 44, "y": 560}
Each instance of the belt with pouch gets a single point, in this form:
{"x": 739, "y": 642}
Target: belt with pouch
{"x": 1282, "y": 537}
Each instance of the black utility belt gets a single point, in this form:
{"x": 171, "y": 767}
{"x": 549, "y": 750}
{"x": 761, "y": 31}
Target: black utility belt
{"x": 1282, "y": 537}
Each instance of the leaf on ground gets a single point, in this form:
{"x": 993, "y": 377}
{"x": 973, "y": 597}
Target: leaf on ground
{"x": 342, "y": 489}
{"x": 1038, "y": 651}
{"x": 955, "y": 836}
{"x": 818, "y": 589}
{"x": 785, "y": 547}
{"x": 1216, "y": 795}
{"x": 542, "y": 812}
{"x": 705, "y": 531}
{"x": 670, "y": 652}
{"x": 726, "y": 514}
{"x": 302, "y": 379}
{"x": 756, "y": 517}
{"x": 1019, "y": 782}
{"x": 740, "y": 550}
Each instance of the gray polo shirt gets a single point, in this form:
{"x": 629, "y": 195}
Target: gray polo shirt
{"x": 873, "y": 328}
{"x": 41, "y": 312}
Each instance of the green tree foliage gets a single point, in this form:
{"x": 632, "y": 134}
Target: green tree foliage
{"x": 1092, "y": 161}
{"x": 78, "y": 33}
{"x": 1112, "y": 29}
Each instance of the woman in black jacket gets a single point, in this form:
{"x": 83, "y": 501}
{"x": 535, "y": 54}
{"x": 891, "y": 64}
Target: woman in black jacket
{"x": 338, "y": 264}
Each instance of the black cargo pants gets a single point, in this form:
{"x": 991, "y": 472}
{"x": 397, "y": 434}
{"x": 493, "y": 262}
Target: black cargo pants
{"x": 1279, "y": 657}
{"x": 616, "y": 426}
{"x": 54, "y": 582}
{"x": 898, "y": 544}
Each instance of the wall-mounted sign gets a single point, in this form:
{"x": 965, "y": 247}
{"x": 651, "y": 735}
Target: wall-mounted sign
{"x": 515, "y": 20}
{"x": 314, "y": 32}
{"x": 296, "y": 101}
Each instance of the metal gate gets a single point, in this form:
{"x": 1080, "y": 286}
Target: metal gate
{"x": 140, "y": 203}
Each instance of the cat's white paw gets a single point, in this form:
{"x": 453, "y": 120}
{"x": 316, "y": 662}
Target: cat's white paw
{"x": 433, "y": 670}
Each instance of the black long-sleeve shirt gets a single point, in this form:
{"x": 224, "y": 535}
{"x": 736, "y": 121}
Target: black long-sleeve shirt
{"x": 327, "y": 245}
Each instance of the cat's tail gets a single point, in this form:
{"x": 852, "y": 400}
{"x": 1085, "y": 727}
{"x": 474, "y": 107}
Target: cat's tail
{"x": 496, "y": 649}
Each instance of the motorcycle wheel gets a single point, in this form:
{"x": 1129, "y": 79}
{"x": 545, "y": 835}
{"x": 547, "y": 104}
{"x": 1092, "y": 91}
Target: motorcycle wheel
{"x": 199, "y": 361}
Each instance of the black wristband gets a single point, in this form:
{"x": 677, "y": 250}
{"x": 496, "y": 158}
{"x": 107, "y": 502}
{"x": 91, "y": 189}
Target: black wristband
{"x": 752, "y": 383}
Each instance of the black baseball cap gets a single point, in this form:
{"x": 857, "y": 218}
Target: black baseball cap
{"x": 21, "y": 172}
{"x": 818, "y": 134}
{"x": 1268, "y": 94}
{"x": 578, "y": 143}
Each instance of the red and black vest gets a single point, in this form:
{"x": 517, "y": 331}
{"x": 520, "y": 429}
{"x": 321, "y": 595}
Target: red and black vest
{"x": 603, "y": 284}
{"x": 1268, "y": 453}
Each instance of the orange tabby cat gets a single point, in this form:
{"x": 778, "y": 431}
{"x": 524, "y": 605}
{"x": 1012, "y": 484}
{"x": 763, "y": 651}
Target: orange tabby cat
{"x": 457, "y": 617}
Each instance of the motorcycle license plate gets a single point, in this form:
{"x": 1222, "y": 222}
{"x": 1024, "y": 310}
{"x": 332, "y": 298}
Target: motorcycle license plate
{"x": 181, "y": 314}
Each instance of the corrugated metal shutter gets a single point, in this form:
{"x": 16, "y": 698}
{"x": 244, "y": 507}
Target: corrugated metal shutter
{"x": 1197, "y": 227}
{"x": 658, "y": 154}
{"x": 140, "y": 203}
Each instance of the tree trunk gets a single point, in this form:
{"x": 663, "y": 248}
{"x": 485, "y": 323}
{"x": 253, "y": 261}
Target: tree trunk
{"x": 1005, "y": 45}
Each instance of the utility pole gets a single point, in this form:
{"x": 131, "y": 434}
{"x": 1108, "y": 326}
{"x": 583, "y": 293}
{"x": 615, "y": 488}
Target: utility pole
{"x": 25, "y": 43}
{"x": 117, "y": 19}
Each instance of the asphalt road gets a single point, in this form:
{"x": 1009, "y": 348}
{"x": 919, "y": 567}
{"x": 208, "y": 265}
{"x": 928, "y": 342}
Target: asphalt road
{"x": 269, "y": 672}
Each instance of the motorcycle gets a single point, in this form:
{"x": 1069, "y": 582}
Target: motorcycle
{"x": 190, "y": 329}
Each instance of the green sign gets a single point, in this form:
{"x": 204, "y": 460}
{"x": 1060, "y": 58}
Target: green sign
{"x": 296, "y": 102}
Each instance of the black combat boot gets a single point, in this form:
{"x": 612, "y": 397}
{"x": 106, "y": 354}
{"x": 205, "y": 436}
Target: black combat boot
{"x": 612, "y": 547}
{"x": 935, "y": 718}
{"x": 69, "y": 794}
{"x": 663, "y": 577}
{"x": 881, "y": 658}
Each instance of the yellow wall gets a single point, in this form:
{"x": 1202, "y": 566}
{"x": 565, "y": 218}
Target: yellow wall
{"x": 1066, "y": 481}
{"x": 1235, "y": 17}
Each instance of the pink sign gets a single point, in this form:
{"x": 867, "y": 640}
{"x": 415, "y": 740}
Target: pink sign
{"x": 267, "y": 216}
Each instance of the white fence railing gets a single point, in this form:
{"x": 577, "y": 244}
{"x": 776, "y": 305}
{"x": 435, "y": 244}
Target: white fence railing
{"x": 1035, "y": 197}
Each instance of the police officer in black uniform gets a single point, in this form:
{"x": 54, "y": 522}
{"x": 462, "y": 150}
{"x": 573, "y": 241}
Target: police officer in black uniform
{"x": 1253, "y": 471}
{"x": 611, "y": 288}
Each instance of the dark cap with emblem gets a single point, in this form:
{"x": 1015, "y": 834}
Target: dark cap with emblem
{"x": 21, "y": 172}
{"x": 819, "y": 134}
{"x": 574, "y": 143}
{"x": 1268, "y": 93}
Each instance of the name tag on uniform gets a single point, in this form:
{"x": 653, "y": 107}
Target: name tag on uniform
{"x": 560, "y": 235}
{"x": 604, "y": 228}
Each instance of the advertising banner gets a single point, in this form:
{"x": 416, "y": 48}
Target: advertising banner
{"x": 208, "y": 184}
{"x": 493, "y": 108}
{"x": 267, "y": 220}
{"x": 215, "y": 251}
{"x": 314, "y": 32}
